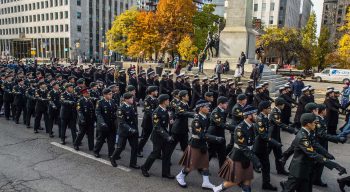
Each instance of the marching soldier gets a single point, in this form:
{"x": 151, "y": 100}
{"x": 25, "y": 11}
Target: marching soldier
{"x": 86, "y": 119}
{"x": 196, "y": 91}
{"x": 127, "y": 131}
{"x": 151, "y": 103}
{"x": 30, "y": 105}
{"x": 20, "y": 100}
{"x": 209, "y": 97}
{"x": 249, "y": 91}
{"x": 161, "y": 139}
{"x": 196, "y": 155}
{"x": 42, "y": 101}
{"x": 238, "y": 168}
{"x": 205, "y": 86}
{"x": 179, "y": 130}
{"x": 333, "y": 107}
{"x": 8, "y": 97}
{"x": 302, "y": 101}
{"x": 305, "y": 156}
{"x": 287, "y": 110}
{"x": 54, "y": 108}
{"x": 68, "y": 113}
{"x": 276, "y": 126}
{"x": 237, "y": 117}
{"x": 262, "y": 141}
{"x": 217, "y": 128}
{"x": 259, "y": 96}
{"x": 106, "y": 113}
{"x": 142, "y": 86}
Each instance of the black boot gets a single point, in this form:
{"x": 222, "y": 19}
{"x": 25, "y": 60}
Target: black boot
{"x": 268, "y": 186}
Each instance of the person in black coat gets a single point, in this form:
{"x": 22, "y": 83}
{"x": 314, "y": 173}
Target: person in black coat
{"x": 287, "y": 110}
{"x": 205, "y": 86}
{"x": 150, "y": 104}
{"x": 106, "y": 113}
{"x": 333, "y": 107}
{"x": 187, "y": 87}
{"x": 30, "y": 105}
{"x": 302, "y": 101}
{"x": 170, "y": 84}
{"x": 150, "y": 78}
{"x": 214, "y": 89}
{"x": 180, "y": 130}
{"x": 87, "y": 118}
{"x": 249, "y": 91}
{"x": 127, "y": 131}
{"x": 196, "y": 91}
{"x": 133, "y": 81}
{"x": 54, "y": 108}
{"x": 258, "y": 97}
{"x": 20, "y": 100}
{"x": 122, "y": 81}
{"x": 68, "y": 113}
{"x": 179, "y": 82}
{"x": 163, "y": 89}
{"x": 142, "y": 86}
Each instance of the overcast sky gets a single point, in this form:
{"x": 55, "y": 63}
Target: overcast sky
{"x": 318, "y": 7}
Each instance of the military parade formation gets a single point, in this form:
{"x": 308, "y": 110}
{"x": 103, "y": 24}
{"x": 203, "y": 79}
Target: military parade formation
{"x": 103, "y": 104}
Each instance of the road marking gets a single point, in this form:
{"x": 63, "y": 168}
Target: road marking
{"x": 89, "y": 156}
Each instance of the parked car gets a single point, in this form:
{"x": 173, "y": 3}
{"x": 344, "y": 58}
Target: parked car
{"x": 290, "y": 71}
{"x": 333, "y": 75}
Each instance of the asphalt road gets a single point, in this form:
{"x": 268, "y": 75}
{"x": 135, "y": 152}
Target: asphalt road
{"x": 32, "y": 162}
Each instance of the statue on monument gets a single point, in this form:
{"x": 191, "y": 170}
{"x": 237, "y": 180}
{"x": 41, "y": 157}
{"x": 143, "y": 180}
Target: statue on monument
{"x": 213, "y": 40}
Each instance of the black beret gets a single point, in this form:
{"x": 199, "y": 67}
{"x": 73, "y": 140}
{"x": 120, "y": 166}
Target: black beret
{"x": 130, "y": 88}
{"x": 72, "y": 77}
{"x": 310, "y": 107}
{"x": 69, "y": 85}
{"x": 151, "y": 89}
{"x": 202, "y": 103}
{"x": 80, "y": 81}
{"x": 183, "y": 93}
{"x": 163, "y": 97}
{"x": 106, "y": 91}
{"x": 93, "y": 84}
{"x": 222, "y": 99}
{"x": 322, "y": 107}
{"x": 264, "y": 105}
{"x": 241, "y": 97}
{"x": 280, "y": 101}
{"x": 307, "y": 118}
{"x": 56, "y": 83}
{"x": 209, "y": 94}
{"x": 127, "y": 95}
{"x": 42, "y": 83}
{"x": 175, "y": 92}
{"x": 248, "y": 110}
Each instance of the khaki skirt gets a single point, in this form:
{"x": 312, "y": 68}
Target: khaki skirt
{"x": 234, "y": 172}
{"x": 193, "y": 159}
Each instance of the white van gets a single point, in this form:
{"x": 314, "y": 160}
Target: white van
{"x": 334, "y": 75}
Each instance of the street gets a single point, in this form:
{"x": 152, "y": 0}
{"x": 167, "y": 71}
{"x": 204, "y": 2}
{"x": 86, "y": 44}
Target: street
{"x": 34, "y": 162}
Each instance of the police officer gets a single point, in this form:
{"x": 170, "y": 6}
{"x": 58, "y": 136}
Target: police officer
{"x": 217, "y": 128}
{"x": 333, "y": 106}
{"x": 276, "y": 126}
{"x": 54, "y": 108}
{"x": 287, "y": 110}
{"x": 305, "y": 156}
{"x": 237, "y": 117}
{"x": 179, "y": 130}
{"x": 196, "y": 92}
{"x": 86, "y": 119}
{"x": 19, "y": 100}
{"x": 127, "y": 131}
{"x": 302, "y": 101}
{"x": 209, "y": 97}
{"x": 106, "y": 113}
{"x": 150, "y": 104}
{"x": 68, "y": 113}
{"x": 30, "y": 105}
{"x": 161, "y": 139}
{"x": 42, "y": 101}
{"x": 262, "y": 140}
{"x": 258, "y": 97}
{"x": 249, "y": 91}
{"x": 7, "y": 86}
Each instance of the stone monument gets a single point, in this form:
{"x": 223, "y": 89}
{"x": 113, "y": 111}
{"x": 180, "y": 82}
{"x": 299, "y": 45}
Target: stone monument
{"x": 238, "y": 34}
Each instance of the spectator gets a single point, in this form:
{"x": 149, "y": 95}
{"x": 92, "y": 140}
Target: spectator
{"x": 238, "y": 74}
{"x": 242, "y": 59}
{"x": 297, "y": 86}
{"x": 255, "y": 75}
{"x": 261, "y": 69}
{"x": 226, "y": 66}
{"x": 218, "y": 70}
{"x": 202, "y": 58}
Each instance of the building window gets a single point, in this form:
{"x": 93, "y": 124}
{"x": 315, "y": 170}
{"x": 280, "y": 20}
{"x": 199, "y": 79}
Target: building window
{"x": 66, "y": 14}
{"x": 79, "y": 2}
{"x": 79, "y": 28}
{"x": 67, "y": 27}
{"x": 61, "y": 28}
{"x": 271, "y": 20}
{"x": 272, "y": 6}
{"x": 263, "y": 8}
{"x": 78, "y": 15}
{"x": 256, "y": 7}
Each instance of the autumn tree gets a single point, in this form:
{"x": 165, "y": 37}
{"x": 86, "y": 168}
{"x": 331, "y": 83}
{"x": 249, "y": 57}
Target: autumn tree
{"x": 143, "y": 36}
{"x": 323, "y": 48}
{"x": 344, "y": 42}
{"x": 286, "y": 42}
{"x": 309, "y": 42}
{"x": 118, "y": 36}
{"x": 174, "y": 22}
{"x": 187, "y": 49}
{"x": 203, "y": 22}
